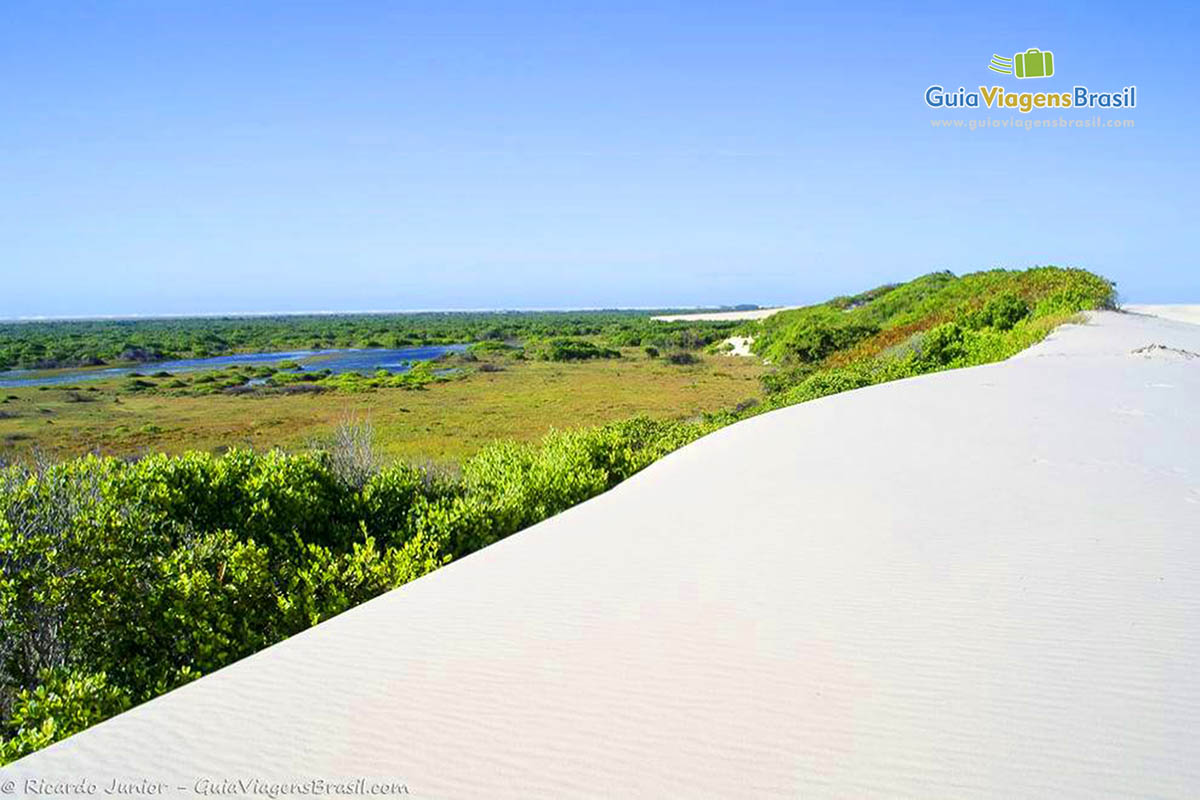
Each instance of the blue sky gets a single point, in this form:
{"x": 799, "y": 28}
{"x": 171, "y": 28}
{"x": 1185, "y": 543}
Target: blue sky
{"x": 182, "y": 157}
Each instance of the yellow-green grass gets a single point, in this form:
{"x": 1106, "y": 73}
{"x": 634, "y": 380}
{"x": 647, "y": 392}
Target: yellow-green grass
{"x": 440, "y": 423}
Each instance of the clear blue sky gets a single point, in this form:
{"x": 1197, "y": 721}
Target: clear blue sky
{"x": 171, "y": 156}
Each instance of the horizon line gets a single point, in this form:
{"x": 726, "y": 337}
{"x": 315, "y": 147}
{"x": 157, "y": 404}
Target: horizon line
{"x": 368, "y": 312}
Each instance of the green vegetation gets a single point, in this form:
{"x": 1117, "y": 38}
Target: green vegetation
{"x": 562, "y": 349}
{"x": 122, "y": 579}
{"x": 50, "y": 345}
{"x": 938, "y": 321}
{"x": 681, "y": 358}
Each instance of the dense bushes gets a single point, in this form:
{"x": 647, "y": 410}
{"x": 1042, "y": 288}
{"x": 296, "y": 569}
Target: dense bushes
{"x": 693, "y": 335}
{"x": 866, "y": 326}
{"x": 64, "y": 703}
{"x": 682, "y": 358}
{"x": 815, "y": 335}
{"x": 933, "y": 323}
{"x": 565, "y": 349}
{"x": 1001, "y": 312}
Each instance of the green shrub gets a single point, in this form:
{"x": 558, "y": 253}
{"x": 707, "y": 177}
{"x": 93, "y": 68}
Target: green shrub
{"x": 942, "y": 346}
{"x": 325, "y": 583}
{"x": 682, "y": 358}
{"x": 1001, "y": 312}
{"x": 488, "y": 347}
{"x": 390, "y": 495}
{"x": 63, "y": 703}
{"x": 810, "y": 335}
{"x": 562, "y": 349}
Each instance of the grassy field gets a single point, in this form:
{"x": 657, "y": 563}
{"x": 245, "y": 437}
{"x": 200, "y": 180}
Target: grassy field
{"x": 440, "y": 423}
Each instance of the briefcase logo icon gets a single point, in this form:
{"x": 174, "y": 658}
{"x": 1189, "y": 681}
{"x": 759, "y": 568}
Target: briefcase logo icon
{"x": 1033, "y": 63}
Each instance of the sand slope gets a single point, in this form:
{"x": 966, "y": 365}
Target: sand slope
{"x": 983, "y": 583}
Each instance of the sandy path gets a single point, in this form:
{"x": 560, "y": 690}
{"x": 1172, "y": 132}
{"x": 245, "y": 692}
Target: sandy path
{"x": 982, "y": 583}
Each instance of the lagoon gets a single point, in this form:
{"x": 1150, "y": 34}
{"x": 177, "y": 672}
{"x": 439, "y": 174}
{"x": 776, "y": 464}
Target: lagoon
{"x": 338, "y": 361}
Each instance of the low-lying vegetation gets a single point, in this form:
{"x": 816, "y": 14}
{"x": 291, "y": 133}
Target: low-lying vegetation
{"x": 120, "y": 580}
{"x": 285, "y": 379}
{"x": 474, "y": 400}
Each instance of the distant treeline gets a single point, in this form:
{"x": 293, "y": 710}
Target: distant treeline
{"x": 46, "y": 345}
{"x": 121, "y": 580}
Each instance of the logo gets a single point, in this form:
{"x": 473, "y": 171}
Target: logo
{"x": 1033, "y": 63}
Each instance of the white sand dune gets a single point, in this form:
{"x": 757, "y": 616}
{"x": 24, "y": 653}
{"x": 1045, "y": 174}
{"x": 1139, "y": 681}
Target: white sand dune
{"x": 981, "y": 583}
{"x": 724, "y": 316}
{"x": 1179, "y": 313}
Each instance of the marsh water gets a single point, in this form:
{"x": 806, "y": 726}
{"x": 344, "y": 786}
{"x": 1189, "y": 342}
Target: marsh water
{"x": 338, "y": 361}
